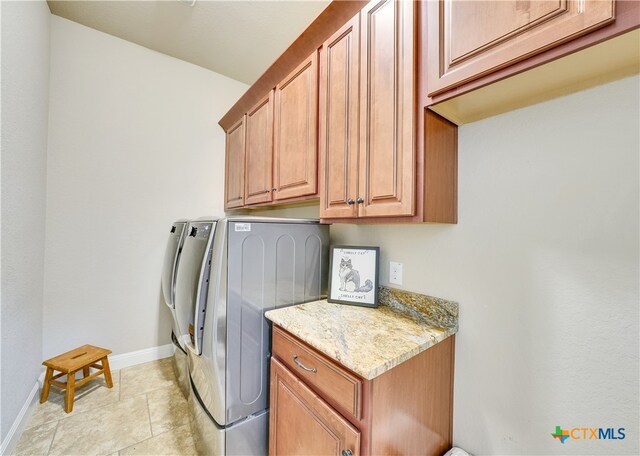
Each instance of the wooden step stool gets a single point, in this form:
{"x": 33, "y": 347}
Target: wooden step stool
{"x": 68, "y": 364}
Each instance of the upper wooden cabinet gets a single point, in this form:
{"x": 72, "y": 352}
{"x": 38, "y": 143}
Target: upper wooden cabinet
{"x": 234, "y": 166}
{"x": 272, "y": 152}
{"x": 387, "y": 165}
{"x": 367, "y": 114}
{"x": 354, "y": 106}
{"x": 295, "y": 171}
{"x": 259, "y": 152}
{"x": 469, "y": 39}
{"x": 375, "y": 162}
{"x": 338, "y": 123}
{"x": 365, "y": 107}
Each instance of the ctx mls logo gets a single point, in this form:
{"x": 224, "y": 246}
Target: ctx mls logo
{"x": 584, "y": 433}
{"x": 560, "y": 434}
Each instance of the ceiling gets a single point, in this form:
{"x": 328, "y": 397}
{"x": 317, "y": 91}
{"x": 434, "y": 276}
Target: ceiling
{"x": 239, "y": 39}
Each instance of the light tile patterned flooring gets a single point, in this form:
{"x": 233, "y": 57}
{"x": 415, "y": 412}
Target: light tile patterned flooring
{"x": 143, "y": 414}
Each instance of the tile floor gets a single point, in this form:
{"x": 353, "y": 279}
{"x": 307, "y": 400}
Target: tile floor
{"x": 143, "y": 414}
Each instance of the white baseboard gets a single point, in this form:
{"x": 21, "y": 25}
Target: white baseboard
{"x": 140, "y": 356}
{"x": 11, "y": 440}
{"x": 115, "y": 362}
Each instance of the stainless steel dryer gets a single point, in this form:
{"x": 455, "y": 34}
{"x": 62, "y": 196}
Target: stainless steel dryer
{"x": 257, "y": 264}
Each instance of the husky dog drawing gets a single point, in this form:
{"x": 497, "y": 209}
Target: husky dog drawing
{"x": 348, "y": 274}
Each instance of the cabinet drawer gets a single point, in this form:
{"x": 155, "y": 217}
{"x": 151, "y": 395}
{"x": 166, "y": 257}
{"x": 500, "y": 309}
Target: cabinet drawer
{"x": 336, "y": 384}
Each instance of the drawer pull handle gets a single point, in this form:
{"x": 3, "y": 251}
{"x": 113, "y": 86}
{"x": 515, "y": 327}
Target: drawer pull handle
{"x": 347, "y": 453}
{"x": 308, "y": 369}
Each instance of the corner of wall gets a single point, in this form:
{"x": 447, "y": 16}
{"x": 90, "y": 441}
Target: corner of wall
{"x": 25, "y": 107}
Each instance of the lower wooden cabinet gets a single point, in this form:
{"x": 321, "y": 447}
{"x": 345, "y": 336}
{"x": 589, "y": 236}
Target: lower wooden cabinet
{"x": 302, "y": 423}
{"x": 319, "y": 407}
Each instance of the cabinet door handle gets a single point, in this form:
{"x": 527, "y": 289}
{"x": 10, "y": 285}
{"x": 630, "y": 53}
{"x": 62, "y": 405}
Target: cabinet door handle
{"x": 350, "y": 201}
{"x": 347, "y": 453}
{"x": 359, "y": 200}
{"x": 308, "y": 369}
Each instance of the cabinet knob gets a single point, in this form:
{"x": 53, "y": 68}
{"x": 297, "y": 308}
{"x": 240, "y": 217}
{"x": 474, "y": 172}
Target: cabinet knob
{"x": 360, "y": 200}
{"x": 350, "y": 201}
{"x": 347, "y": 453}
{"x": 273, "y": 189}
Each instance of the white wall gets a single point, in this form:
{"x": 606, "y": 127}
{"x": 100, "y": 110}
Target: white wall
{"x": 544, "y": 263}
{"x": 25, "y": 98}
{"x": 133, "y": 145}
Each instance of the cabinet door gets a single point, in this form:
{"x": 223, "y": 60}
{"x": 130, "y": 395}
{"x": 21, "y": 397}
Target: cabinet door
{"x": 302, "y": 423}
{"x": 234, "y": 172}
{"x": 295, "y": 136}
{"x": 338, "y": 124}
{"x": 468, "y": 39}
{"x": 257, "y": 184}
{"x": 387, "y": 163}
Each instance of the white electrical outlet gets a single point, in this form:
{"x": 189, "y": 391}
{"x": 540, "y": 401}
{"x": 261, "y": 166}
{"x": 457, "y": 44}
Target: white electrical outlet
{"x": 395, "y": 273}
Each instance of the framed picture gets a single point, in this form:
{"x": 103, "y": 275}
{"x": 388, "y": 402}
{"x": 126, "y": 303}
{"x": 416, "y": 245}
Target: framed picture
{"x": 353, "y": 277}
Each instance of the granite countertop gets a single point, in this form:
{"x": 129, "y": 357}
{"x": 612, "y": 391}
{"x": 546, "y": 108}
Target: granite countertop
{"x": 370, "y": 341}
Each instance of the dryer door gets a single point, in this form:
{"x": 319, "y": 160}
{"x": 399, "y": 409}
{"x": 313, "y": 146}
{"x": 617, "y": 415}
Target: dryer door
{"x": 171, "y": 259}
{"x": 192, "y": 274}
{"x": 208, "y": 355}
